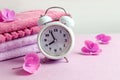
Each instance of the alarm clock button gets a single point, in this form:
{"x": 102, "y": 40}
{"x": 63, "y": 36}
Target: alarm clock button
{"x": 43, "y": 20}
{"x": 68, "y": 21}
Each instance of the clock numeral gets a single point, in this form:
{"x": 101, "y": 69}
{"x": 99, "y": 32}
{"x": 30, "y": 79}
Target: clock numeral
{"x": 46, "y": 45}
{"x": 64, "y": 35}
{"x": 46, "y": 35}
{"x": 55, "y": 30}
{"x": 49, "y": 31}
{"x": 65, "y": 40}
{"x": 50, "y": 48}
{"x": 60, "y": 49}
{"x": 60, "y": 31}
{"x": 64, "y": 45}
{"x": 55, "y": 50}
{"x": 45, "y": 40}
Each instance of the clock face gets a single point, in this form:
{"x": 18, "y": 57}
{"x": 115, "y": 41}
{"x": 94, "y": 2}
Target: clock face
{"x": 55, "y": 40}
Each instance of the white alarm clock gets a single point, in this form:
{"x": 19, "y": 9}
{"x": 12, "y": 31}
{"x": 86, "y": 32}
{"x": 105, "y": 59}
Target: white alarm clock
{"x": 56, "y": 39}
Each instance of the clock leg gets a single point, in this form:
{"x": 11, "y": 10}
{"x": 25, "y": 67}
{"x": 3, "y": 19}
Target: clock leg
{"x": 66, "y": 59}
{"x": 17, "y": 68}
{"x": 45, "y": 60}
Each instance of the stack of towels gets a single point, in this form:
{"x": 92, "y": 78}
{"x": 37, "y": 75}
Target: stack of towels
{"x": 19, "y": 37}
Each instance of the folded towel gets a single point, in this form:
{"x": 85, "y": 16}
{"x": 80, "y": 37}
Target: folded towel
{"x": 19, "y": 52}
{"x": 25, "y": 24}
{"x": 18, "y": 34}
{"x": 18, "y": 43}
{"x": 26, "y": 19}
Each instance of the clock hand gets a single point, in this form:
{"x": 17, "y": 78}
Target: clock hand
{"x": 52, "y": 42}
{"x": 53, "y": 35}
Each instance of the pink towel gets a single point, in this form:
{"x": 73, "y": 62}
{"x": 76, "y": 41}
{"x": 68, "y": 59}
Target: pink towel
{"x": 18, "y": 43}
{"x": 26, "y": 19}
{"x": 19, "y": 34}
{"x": 19, "y": 52}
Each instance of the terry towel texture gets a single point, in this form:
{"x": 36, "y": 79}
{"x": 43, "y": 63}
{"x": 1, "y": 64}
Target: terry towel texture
{"x": 19, "y": 34}
{"x": 19, "y": 52}
{"x": 29, "y": 40}
{"x": 26, "y": 19}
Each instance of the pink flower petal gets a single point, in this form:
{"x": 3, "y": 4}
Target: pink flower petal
{"x": 106, "y": 38}
{"x": 85, "y": 50}
{"x": 95, "y": 48}
{"x": 103, "y": 39}
{"x": 32, "y": 63}
{"x": 90, "y": 48}
{"x": 4, "y": 13}
{"x": 32, "y": 56}
{"x": 89, "y": 44}
{"x": 7, "y": 15}
{"x": 100, "y": 36}
{"x": 1, "y": 20}
{"x": 11, "y": 14}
